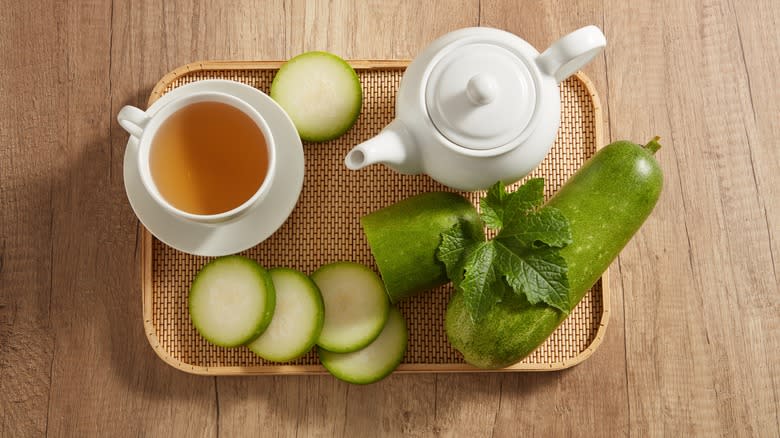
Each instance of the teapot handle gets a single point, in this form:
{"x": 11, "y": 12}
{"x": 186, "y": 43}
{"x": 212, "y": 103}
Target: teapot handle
{"x": 572, "y": 52}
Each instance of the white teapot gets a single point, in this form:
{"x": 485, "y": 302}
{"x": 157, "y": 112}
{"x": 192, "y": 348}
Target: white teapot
{"x": 477, "y": 106}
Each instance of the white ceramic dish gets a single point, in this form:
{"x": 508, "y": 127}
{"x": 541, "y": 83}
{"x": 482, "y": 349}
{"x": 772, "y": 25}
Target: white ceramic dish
{"x": 255, "y": 225}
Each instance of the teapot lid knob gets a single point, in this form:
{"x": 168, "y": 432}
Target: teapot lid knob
{"x": 482, "y": 88}
{"x": 481, "y": 95}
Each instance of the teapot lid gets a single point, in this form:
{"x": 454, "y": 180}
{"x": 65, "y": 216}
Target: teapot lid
{"x": 481, "y": 96}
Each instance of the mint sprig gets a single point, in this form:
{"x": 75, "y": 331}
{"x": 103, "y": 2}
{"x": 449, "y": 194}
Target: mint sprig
{"x": 523, "y": 257}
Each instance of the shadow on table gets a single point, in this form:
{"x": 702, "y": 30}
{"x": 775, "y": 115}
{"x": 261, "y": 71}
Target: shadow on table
{"x": 138, "y": 380}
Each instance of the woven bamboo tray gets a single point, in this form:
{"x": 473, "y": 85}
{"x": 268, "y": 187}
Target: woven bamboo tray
{"x": 324, "y": 228}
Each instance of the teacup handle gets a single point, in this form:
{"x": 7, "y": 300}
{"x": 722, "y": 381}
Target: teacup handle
{"x": 572, "y": 52}
{"x": 133, "y": 120}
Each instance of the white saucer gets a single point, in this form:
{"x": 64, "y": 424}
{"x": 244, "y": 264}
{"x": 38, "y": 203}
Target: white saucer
{"x": 255, "y": 225}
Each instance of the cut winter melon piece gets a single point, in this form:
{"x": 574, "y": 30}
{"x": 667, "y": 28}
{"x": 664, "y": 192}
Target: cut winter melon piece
{"x": 297, "y": 319}
{"x": 375, "y": 361}
{"x": 403, "y": 238}
{"x": 356, "y": 306}
{"x": 320, "y": 92}
{"x": 231, "y": 301}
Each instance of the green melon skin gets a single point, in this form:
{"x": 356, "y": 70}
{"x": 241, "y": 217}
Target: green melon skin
{"x": 404, "y": 237}
{"x": 606, "y": 202}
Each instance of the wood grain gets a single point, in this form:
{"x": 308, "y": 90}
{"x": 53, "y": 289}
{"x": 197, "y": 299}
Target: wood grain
{"x": 693, "y": 344}
{"x": 30, "y": 128}
{"x": 701, "y": 332}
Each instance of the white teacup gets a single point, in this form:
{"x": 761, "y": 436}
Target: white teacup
{"x": 144, "y": 127}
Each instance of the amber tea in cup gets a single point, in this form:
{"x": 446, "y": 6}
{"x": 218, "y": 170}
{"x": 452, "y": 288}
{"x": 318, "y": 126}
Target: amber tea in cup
{"x": 208, "y": 158}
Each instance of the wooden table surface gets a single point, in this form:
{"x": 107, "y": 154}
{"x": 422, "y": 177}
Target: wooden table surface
{"x": 693, "y": 345}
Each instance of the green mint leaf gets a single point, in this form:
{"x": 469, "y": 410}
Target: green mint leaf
{"x": 492, "y": 206}
{"x": 547, "y": 226}
{"x": 498, "y": 206}
{"x": 523, "y": 257}
{"x": 527, "y": 197}
{"x": 540, "y": 274}
{"x": 454, "y": 245}
{"x": 482, "y": 283}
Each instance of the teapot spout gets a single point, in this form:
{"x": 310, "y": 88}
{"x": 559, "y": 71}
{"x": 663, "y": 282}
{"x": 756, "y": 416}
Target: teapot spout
{"x": 393, "y": 146}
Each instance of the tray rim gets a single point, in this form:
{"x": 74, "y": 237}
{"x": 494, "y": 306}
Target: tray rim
{"x": 287, "y": 369}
